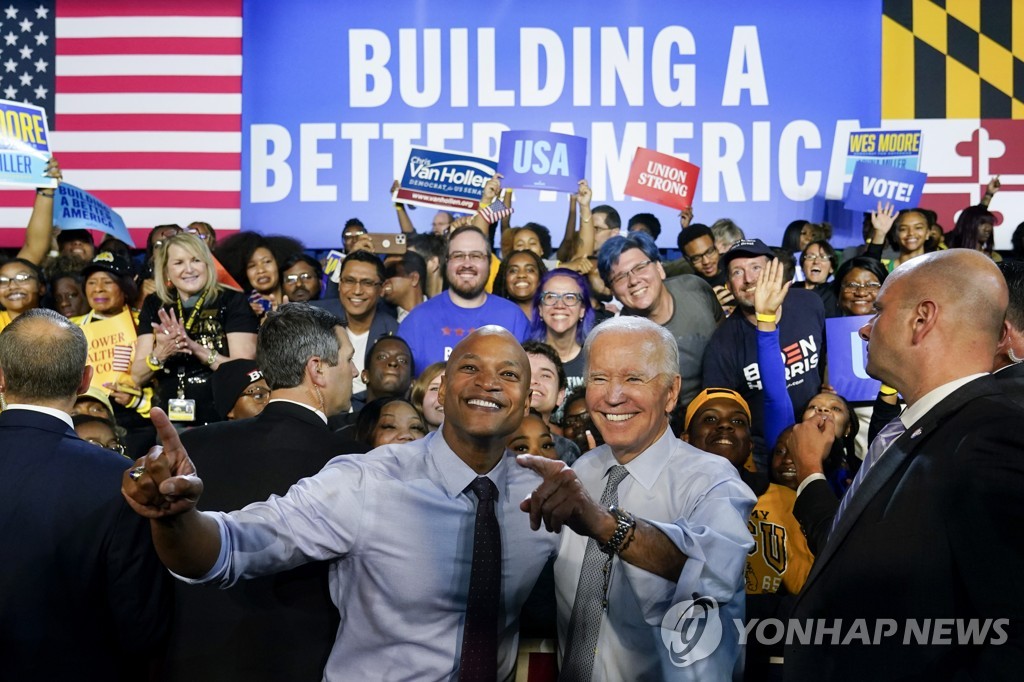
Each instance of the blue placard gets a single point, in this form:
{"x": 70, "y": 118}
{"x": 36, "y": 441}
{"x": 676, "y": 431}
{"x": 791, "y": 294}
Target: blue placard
{"x": 76, "y": 209}
{"x": 874, "y": 182}
{"x": 445, "y": 180}
{"x": 711, "y": 83}
{"x": 24, "y": 145}
{"x": 848, "y": 359}
{"x": 532, "y": 159}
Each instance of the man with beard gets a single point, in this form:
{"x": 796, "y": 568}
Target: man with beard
{"x": 300, "y": 278}
{"x": 731, "y": 357}
{"x": 436, "y": 326}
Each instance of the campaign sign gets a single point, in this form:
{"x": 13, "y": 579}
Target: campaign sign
{"x": 662, "y": 179}
{"x": 872, "y": 183}
{"x": 332, "y": 265}
{"x": 104, "y": 336}
{"x": 76, "y": 209}
{"x": 24, "y": 145}
{"x": 540, "y": 160}
{"x": 848, "y": 359}
{"x": 898, "y": 148}
{"x": 446, "y": 180}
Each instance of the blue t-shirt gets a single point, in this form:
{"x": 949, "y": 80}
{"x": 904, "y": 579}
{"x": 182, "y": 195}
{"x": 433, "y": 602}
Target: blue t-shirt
{"x": 731, "y": 357}
{"x": 434, "y": 327}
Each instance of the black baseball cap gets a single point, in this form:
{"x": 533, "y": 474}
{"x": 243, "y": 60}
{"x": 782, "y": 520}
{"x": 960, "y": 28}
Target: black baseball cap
{"x": 230, "y": 381}
{"x": 114, "y": 263}
{"x": 747, "y": 248}
{"x": 75, "y": 235}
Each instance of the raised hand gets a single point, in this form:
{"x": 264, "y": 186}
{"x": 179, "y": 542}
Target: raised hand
{"x": 882, "y": 218}
{"x": 163, "y": 482}
{"x": 685, "y": 217}
{"x": 492, "y": 188}
{"x": 771, "y": 290}
{"x": 584, "y": 194}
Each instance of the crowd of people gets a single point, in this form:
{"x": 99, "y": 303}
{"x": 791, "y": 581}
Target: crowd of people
{"x": 345, "y": 448}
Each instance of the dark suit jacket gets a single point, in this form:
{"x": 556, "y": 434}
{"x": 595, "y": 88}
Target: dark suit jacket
{"x": 82, "y": 593}
{"x": 930, "y": 534}
{"x": 1011, "y": 382}
{"x": 279, "y": 627}
{"x": 383, "y": 322}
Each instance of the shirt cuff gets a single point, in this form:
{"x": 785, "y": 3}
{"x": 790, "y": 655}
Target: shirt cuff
{"x": 222, "y": 559}
{"x": 806, "y": 481}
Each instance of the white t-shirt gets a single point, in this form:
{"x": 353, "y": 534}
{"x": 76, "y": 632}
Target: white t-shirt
{"x": 359, "y": 343}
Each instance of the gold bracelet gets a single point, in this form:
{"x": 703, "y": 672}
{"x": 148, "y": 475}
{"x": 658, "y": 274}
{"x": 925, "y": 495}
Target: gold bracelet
{"x": 766, "y": 318}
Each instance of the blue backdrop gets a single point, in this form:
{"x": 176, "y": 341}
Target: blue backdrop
{"x": 752, "y": 92}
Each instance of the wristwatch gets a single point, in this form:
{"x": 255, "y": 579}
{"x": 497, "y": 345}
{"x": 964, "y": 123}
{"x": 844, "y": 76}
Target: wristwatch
{"x": 626, "y": 522}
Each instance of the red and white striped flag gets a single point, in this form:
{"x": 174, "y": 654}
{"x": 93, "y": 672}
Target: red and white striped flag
{"x": 122, "y": 358}
{"x": 495, "y": 211}
{"x": 147, "y": 105}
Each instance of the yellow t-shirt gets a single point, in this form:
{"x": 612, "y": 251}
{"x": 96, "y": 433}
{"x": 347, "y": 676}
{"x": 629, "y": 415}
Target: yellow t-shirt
{"x": 780, "y": 558}
{"x": 5, "y": 319}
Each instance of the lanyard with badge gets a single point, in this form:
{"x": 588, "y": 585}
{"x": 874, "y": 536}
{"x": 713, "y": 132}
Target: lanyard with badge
{"x": 182, "y": 409}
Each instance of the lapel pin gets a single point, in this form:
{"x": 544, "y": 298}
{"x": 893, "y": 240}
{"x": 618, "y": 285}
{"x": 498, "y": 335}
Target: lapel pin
{"x": 915, "y": 434}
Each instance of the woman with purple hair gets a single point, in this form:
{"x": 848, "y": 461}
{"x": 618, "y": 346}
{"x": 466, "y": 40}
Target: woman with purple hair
{"x": 562, "y": 318}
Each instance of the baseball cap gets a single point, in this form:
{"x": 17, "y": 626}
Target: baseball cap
{"x": 72, "y": 235}
{"x": 108, "y": 261}
{"x": 747, "y": 248}
{"x": 711, "y": 394}
{"x": 230, "y": 381}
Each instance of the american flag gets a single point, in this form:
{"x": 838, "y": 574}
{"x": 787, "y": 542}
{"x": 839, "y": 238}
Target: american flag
{"x": 122, "y": 358}
{"x": 144, "y": 103}
{"x": 495, "y": 212}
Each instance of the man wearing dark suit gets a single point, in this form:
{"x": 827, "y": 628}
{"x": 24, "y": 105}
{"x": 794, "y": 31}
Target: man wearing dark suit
{"x": 82, "y": 593}
{"x": 926, "y": 532}
{"x": 1009, "y": 364}
{"x": 278, "y": 627}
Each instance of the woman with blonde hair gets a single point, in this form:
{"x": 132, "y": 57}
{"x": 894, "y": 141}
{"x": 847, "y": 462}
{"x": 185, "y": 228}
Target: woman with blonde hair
{"x": 188, "y": 328}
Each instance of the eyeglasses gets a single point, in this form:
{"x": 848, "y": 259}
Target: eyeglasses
{"x": 812, "y": 257}
{"x": 575, "y": 419}
{"x": 20, "y": 278}
{"x": 857, "y": 286}
{"x": 351, "y": 282}
{"x": 707, "y": 255}
{"x": 475, "y": 256}
{"x": 197, "y": 233}
{"x": 116, "y": 447}
{"x": 569, "y": 300}
{"x": 258, "y": 394}
{"x": 353, "y": 235}
{"x": 304, "y": 277}
{"x": 635, "y": 271}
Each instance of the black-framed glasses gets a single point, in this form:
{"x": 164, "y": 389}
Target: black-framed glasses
{"x": 707, "y": 255}
{"x": 569, "y": 300}
{"x": 351, "y": 282}
{"x": 20, "y": 278}
{"x": 635, "y": 271}
{"x": 575, "y": 419}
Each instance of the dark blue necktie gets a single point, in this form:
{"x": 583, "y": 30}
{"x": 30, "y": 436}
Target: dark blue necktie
{"x": 479, "y": 660}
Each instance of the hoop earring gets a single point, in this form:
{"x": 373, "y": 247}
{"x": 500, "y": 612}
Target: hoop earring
{"x": 1013, "y": 356}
